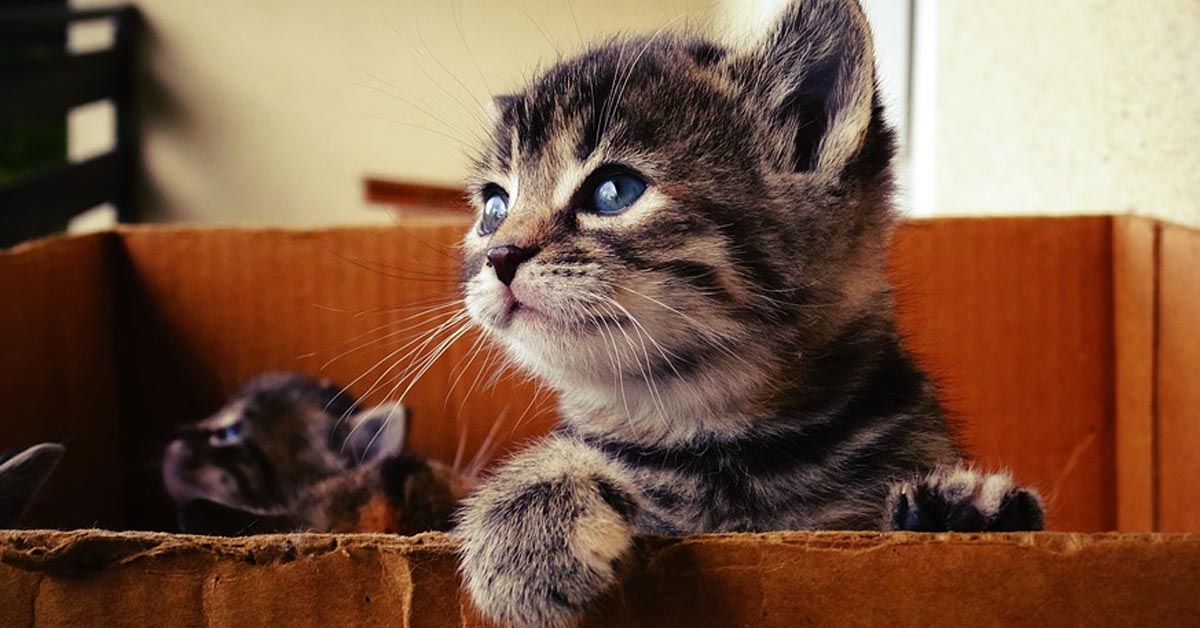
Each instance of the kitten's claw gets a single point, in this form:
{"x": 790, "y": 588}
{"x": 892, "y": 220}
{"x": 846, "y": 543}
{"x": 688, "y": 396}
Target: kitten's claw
{"x": 963, "y": 500}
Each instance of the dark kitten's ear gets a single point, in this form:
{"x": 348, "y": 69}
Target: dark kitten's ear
{"x": 21, "y": 476}
{"x": 204, "y": 516}
{"x": 376, "y": 433}
{"x": 815, "y": 73}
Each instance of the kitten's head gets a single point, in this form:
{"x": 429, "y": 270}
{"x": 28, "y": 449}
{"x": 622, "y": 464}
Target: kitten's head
{"x": 670, "y": 214}
{"x": 281, "y": 434}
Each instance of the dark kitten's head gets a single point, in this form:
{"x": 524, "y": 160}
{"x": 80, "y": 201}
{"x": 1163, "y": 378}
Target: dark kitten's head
{"x": 281, "y": 434}
{"x": 665, "y": 222}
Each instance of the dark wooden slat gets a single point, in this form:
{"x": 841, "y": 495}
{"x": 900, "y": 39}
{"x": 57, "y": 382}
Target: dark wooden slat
{"x": 25, "y": 18}
{"x": 49, "y": 89}
{"x": 44, "y": 202}
{"x": 415, "y": 195}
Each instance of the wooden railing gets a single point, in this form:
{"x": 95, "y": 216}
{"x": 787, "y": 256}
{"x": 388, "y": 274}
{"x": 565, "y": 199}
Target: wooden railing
{"x": 48, "y": 88}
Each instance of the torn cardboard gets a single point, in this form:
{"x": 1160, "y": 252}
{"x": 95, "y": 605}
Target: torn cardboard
{"x": 92, "y": 578}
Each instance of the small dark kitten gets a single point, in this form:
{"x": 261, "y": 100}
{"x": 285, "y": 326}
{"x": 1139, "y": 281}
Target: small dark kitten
{"x": 21, "y": 477}
{"x": 280, "y": 434}
{"x": 289, "y": 453}
{"x": 400, "y": 494}
{"x": 687, "y": 241}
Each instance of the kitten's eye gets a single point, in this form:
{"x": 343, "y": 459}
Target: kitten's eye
{"x": 227, "y": 435}
{"x": 616, "y": 192}
{"x": 495, "y": 210}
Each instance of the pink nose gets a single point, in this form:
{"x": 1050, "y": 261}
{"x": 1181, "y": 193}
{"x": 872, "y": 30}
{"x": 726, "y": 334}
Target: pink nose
{"x": 505, "y": 260}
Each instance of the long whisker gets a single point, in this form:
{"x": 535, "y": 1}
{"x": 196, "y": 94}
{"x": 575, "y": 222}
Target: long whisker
{"x": 616, "y": 359}
{"x": 434, "y": 356}
{"x": 645, "y": 368}
{"x": 424, "y": 338}
{"x": 430, "y": 315}
{"x": 717, "y": 341}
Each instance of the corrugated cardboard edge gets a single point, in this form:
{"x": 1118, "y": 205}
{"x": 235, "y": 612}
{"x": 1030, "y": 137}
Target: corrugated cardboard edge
{"x": 776, "y": 579}
{"x": 80, "y": 551}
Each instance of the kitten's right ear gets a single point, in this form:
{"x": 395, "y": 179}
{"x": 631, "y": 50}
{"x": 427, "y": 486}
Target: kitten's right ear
{"x": 21, "y": 476}
{"x": 205, "y": 516}
{"x": 815, "y": 73}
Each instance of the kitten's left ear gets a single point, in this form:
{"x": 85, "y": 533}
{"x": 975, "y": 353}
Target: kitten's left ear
{"x": 376, "y": 433}
{"x": 815, "y": 73}
{"x": 21, "y": 476}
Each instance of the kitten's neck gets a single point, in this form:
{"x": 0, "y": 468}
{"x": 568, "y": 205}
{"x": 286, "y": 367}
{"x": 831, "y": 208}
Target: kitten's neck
{"x": 736, "y": 395}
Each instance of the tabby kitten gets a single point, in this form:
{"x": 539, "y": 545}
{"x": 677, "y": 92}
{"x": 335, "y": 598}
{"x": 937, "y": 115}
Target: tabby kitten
{"x": 687, "y": 241}
{"x": 21, "y": 477}
{"x": 290, "y": 453}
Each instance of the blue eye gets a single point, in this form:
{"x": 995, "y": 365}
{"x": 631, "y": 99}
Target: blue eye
{"x": 495, "y": 210}
{"x": 614, "y": 193}
{"x": 227, "y": 435}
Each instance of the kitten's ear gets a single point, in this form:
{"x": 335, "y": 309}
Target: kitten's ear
{"x": 376, "y": 433}
{"x": 205, "y": 516}
{"x": 21, "y": 476}
{"x": 815, "y": 72}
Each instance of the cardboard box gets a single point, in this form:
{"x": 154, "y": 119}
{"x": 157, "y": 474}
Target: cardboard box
{"x": 783, "y": 580}
{"x": 1066, "y": 346}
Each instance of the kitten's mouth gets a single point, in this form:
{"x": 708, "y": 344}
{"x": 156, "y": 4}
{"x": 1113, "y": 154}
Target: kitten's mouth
{"x": 549, "y": 318}
{"x": 511, "y": 307}
{"x": 514, "y": 308}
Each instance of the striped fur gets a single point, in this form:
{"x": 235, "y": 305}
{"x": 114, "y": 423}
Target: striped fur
{"x": 724, "y": 350}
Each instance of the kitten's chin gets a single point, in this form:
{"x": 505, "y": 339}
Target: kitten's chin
{"x": 559, "y": 355}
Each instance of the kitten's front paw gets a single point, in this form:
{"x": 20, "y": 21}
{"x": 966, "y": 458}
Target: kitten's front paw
{"x": 538, "y": 555}
{"x": 963, "y": 500}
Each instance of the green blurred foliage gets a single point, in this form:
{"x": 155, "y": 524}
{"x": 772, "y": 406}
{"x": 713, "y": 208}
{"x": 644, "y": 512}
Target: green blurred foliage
{"x": 30, "y": 148}
{"x": 34, "y": 145}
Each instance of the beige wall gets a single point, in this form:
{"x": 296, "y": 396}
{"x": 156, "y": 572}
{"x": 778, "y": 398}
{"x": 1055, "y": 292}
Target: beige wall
{"x": 1067, "y": 106}
{"x": 272, "y": 111}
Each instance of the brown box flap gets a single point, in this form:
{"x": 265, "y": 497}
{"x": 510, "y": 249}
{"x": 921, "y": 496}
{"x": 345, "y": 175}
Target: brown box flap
{"x": 769, "y": 580}
{"x": 56, "y": 371}
{"x": 1055, "y": 341}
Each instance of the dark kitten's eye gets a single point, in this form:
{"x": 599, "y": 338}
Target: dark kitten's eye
{"x": 615, "y": 192}
{"x": 495, "y": 209}
{"x": 227, "y": 435}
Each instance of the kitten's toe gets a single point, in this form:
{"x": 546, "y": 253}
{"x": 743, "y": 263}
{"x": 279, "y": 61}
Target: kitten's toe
{"x": 1020, "y": 511}
{"x": 963, "y": 500}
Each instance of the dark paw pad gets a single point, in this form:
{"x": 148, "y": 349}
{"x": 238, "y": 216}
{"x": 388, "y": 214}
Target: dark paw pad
{"x": 963, "y": 500}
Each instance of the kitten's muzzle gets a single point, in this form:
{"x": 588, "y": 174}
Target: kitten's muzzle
{"x": 506, "y": 259}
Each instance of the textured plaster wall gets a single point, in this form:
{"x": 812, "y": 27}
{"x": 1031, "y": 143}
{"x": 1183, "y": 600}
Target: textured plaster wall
{"x": 272, "y": 111}
{"x": 1067, "y": 106}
